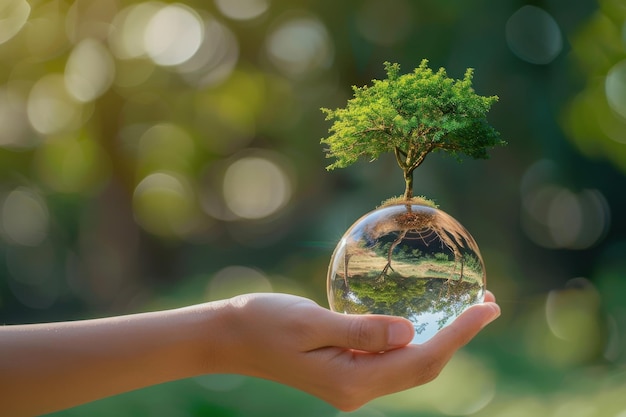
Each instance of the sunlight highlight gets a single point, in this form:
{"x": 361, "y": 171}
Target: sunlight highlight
{"x": 165, "y": 146}
{"x": 572, "y": 313}
{"x": 299, "y": 45}
{"x": 555, "y": 217}
{"x": 25, "y": 217}
{"x": 235, "y": 280}
{"x": 215, "y": 58}
{"x": 89, "y": 71}
{"x": 126, "y": 40}
{"x": 471, "y": 380}
{"x": 163, "y": 203}
{"x": 256, "y": 187}
{"x": 71, "y": 164}
{"x": 533, "y": 35}
{"x": 13, "y": 16}
{"x": 173, "y": 35}
{"x": 51, "y": 109}
{"x": 615, "y": 88}
{"x": 242, "y": 9}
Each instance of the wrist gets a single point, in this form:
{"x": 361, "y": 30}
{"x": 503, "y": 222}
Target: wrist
{"x": 230, "y": 345}
{"x": 210, "y": 330}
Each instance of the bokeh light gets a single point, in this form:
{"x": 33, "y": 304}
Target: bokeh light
{"x": 577, "y": 408}
{"x": 521, "y": 406}
{"x": 572, "y": 314}
{"x": 126, "y": 39}
{"x": 90, "y": 70}
{"x": 71, "y": 164}
{"x": 13, "y": 16}
{"x": 229, "y": 116}
{"x": 165, "y": 146}
{"x": 594, "y": 119}
{"x": 216, "y": 57}
{"x": 594, "y": 108}
{"x": 173, "y": 34}
{"x": 533, "y": 35}
{"x": 242, "y": 9}
{"x": 298, "y": 45}
{"x": 565, "y": 328}
{"x": 87, "y": 19}
{"x": 234, "y": 280}
{"x": 471, "y": 379}
{"x": 45, "y": 34}
{"x": 615, "y": 87}
{"x": 25, "y": 217}
{"x": 256, "y": 186}
{"x": 163, "y": 203}
{"x": 556, "y": 217}
{"x": 51, "y": 109}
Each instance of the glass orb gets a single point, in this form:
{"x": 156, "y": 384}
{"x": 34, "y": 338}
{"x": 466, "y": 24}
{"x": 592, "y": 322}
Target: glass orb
{"x": 407, "y": 260}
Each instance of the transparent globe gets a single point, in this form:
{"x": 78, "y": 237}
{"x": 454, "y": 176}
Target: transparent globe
{"x": 407, "y": 260}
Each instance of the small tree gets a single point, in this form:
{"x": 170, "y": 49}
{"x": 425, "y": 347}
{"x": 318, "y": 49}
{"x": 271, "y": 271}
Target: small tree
{"x": 411, "y": 115}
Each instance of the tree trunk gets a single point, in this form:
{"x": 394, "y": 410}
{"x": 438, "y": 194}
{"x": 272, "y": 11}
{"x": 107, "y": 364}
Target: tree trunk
{"x": 408, "y": 179}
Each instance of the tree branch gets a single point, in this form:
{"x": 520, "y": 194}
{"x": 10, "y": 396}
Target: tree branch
{"x": 398, "y": 153}
{"x": 421, "y": 158}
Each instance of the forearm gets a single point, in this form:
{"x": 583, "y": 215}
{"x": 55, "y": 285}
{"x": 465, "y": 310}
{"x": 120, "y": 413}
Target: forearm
{"x": 46, "y": 367}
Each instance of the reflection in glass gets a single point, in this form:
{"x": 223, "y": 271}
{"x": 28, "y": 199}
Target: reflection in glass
{"x": 407, "y": 260}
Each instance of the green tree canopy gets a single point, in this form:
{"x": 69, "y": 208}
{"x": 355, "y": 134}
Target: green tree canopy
{"x": 411, "y": 115}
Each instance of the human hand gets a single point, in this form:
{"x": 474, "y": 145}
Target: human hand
{"x": 346, "y": 360}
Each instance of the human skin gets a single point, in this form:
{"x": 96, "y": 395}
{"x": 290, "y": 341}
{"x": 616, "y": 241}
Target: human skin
{"x": 346, "y": 360}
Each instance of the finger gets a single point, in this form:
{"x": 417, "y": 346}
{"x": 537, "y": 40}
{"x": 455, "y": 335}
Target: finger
{"x": 463, "y": 329}
{"x": 374, "y": 333}
{"x": 418, "y": 364}
{"x": 412, "y": 365}
{"x": 370, "y": 333}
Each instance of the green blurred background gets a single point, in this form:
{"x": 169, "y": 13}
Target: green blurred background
{"x": 154, "y": 155}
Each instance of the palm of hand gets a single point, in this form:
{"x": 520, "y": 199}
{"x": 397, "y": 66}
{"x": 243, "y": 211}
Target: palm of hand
{"x": 346, "y": 360}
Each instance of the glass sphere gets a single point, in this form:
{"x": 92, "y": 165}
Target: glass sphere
{"x": 407, "y": 260}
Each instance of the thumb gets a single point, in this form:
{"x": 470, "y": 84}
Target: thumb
{"x": 371, "y": 333}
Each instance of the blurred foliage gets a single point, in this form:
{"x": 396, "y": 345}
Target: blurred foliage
{"x": 158, "y": 154}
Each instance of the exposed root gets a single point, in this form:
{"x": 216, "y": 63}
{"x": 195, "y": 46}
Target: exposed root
{"x": 388, "y": 266}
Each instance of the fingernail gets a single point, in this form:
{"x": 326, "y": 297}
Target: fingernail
{"x": 399, "y": 333}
